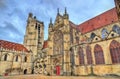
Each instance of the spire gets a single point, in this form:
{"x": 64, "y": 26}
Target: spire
{"x": 58, "y": 11}
{"x": 50, "y": 24}
{"x": 117, "y": 5}
{"x": 30, "y": 14}
{"x": 30, "y": 17}
{"x": 66, "y": 16}
{"x": 50, "y": 20}
{"x": 34, "y": 17}
{"x": 65, "y": 10}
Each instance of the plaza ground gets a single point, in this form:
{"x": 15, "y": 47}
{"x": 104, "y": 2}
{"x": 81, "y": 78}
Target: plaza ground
{"x": 56, "y": 77}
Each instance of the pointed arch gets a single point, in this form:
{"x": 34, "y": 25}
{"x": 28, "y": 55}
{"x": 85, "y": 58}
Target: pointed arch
{"x": 104, "y": 33}
{"x": 5, "y": 57}
{"x": 25, "y": 71}
{"x": 77, "y": 39}
{"x": 99, "y": 56}
{"x": 25, "y": 59}
{"x": 89, "y": 55}
{"x": 81, "y": 56}
{"x": 116, "y": 29}
{"x": 16, "y": 59}
{"x": 115, "y": 52}
{"x": 92, "y": 35}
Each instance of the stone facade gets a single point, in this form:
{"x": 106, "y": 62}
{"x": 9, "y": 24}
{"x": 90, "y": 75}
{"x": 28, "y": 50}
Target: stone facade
{"x": 34, "y": 36}
{"x": 59, "y": 45}
{"x": 90, "y": 48}
{"x": 14, "y": 59}
{"x": 85, "y": 49}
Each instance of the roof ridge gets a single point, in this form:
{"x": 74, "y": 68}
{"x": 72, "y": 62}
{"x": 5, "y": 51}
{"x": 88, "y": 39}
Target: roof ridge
{"x": 10, "y": 42}
{"x": 98, "y": 15}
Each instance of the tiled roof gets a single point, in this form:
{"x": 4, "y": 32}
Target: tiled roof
{"x": 99, "y": 21}
{"x": 12, "y": 46}
{"x": 45, "y": 44}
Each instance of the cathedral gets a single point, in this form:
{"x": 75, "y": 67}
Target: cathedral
{"x": 89, "y": 48}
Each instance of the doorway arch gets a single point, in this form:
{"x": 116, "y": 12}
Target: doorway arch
{"x": 25, "y": 71}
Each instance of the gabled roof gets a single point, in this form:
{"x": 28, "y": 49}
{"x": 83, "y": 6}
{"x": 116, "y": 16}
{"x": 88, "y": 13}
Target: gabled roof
{"x": 12, "y": 46}
{"x": 99, "y": 21}
{"x": 58, "y": 17}
{"x": 71, "y": 24}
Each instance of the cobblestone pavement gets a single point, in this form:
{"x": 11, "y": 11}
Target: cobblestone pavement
{"x": 55, "y": 77}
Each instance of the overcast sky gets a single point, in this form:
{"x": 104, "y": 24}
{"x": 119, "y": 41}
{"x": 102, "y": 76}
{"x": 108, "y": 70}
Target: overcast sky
{"x": 14, "y": 13}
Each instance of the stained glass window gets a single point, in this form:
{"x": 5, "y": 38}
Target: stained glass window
{"x": 99, "y": 56}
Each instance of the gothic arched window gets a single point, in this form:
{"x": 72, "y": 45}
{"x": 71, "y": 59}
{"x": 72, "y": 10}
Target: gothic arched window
{"x": 92, "y": 35}
{"x": 38, "y": 29}
{"x": 77, "y": 36}
{"x": 77, "y": 39}
{"x": 116, "y": 29}
{"x": 99, "y": 56}
{"x": 36, "y": 26}
{"x": 5, "y": 57}
{"x": 16, "y": 58}
{"x": 115, "y": 51}
{"x": 89, "y": 55}
{"x": 104, "y": 33}
{"x": 81, "y": 56}
{"x": 72, "y": 56}
{"x": 25, "y": 59}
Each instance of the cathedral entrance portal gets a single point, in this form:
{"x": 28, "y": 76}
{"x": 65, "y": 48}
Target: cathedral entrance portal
{"x": 58, "y": 52}
{"x": 57, "y": 70}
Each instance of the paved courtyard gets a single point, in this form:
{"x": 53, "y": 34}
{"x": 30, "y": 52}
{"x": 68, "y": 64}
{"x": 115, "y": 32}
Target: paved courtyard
{"x": 55, "y": 77}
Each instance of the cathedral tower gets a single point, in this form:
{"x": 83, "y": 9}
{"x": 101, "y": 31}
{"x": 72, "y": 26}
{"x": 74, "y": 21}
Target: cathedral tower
{"x": 34, "y": 36}
{"x": 117, "y": 4}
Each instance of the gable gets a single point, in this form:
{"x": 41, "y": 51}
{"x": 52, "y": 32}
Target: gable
{"x": 112, "y": 34}
{"x": 96, "y": 38}
{"x": 58, "y": 20}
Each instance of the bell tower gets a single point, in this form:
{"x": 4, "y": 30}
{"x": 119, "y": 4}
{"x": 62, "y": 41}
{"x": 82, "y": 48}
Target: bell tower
{"x": 117, "y": 5}
{"x": 34, "y": 36}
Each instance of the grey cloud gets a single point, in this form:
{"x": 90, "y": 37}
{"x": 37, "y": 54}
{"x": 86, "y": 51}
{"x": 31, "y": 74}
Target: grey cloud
{"x": 10, "y": 32}
{"x": 2, "y": 4}
{"x": 10, "y": 28}
{"x": 14, "y": 13}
